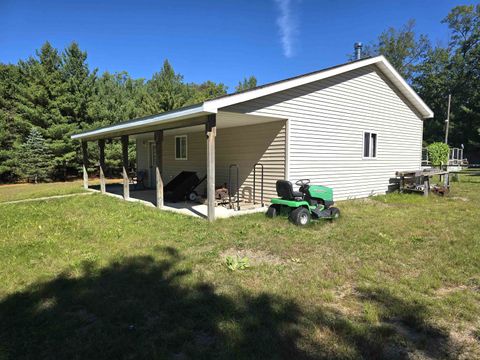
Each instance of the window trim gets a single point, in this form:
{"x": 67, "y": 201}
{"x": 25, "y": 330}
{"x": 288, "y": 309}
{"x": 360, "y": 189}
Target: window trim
{"x": 175, "y": 147}
{"x": 370, "y": 148}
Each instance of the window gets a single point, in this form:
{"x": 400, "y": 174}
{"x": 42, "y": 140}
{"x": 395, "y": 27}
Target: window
{"x": 369, "y": 145}
{"x": 181, "y": 147}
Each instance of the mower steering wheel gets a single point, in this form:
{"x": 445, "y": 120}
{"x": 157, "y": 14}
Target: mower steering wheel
{"x": 302, "y": 182}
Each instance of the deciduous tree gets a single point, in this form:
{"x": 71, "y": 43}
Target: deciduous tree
{"x": 246, "y": 84}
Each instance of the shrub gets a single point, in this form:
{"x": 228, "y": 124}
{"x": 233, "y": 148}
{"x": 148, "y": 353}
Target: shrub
{"x": 438, "y": 153}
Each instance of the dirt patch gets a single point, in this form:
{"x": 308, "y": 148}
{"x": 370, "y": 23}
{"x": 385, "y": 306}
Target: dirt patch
{"x": 345, "y": 290}
{"x": 464, "y": 199}
{"x": 434, "y": 343}
{"x": 467, "y": 341}
{"x": 444, "y": 291}
{"x": 348, "y": 311}
{"x": 255, "y": 257}
{"x": 428, "y": 343}
{"x": 370, "y": 201}
{"x": 345, "y": 302}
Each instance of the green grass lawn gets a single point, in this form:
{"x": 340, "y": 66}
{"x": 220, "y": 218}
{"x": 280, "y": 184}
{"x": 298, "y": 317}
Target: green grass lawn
{"x": 396, "y": 276}
{"x": 31, "y": 191}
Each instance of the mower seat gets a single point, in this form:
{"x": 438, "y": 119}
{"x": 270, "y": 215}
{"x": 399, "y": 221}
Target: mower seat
{"x": 286, "y": 192}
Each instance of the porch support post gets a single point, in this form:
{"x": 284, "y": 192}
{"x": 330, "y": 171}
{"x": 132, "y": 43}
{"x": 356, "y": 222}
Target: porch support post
{"x": 158, "y": 135}
{"x": 211, "y": 131}
{"x": 85, "y": 163}
{"x": 101, "y": 146}
{"x": 126, "y": 183}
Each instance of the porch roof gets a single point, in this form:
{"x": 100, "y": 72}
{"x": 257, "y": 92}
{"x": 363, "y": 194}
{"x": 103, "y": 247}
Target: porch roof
{"x": 179, "y": 121}
{"x": 143, "y": 124}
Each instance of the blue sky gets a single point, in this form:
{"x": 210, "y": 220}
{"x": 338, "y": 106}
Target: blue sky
{"x": 222, "y": 41}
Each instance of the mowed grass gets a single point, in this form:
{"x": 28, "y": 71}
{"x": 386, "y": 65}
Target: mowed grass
{"x": 24, "y": 191}
{"x": 396, "y": 276}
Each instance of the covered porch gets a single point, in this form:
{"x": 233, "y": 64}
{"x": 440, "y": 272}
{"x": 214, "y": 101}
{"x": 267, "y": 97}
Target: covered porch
{"x": 219, "y": 144}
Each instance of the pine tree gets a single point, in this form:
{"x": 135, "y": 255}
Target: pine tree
{"x": 34, "y": 159}
{"x": 9, "y": 129}
{"x": 41, "y": 98}
{"x": 75, "y": 107}
{"x": 80, "y": 85}
{"x": 166, "y": 90}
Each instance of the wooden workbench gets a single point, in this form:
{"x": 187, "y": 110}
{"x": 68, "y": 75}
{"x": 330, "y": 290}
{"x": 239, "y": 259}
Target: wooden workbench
{"x": 419, "y": 180}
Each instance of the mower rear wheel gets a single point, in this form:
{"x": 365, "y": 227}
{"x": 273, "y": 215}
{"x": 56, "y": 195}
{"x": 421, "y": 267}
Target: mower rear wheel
{"x": 300, "y": 216}
{"x": 272, "y": 211}
{"x": 335, "y": 213}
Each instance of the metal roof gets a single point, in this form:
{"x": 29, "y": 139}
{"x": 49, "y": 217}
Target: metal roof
{"x": 213, "y": 105}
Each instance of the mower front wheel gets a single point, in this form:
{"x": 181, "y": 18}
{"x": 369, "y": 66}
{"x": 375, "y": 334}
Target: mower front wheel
{"x": 273, "y": 211}
{"x": 300, "y": 216}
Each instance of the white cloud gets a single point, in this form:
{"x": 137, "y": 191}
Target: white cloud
{"x": 287, "y": 26}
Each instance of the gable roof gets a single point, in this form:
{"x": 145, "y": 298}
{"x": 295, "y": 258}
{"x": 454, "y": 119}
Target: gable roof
{"x": 380, "y": 61}
{"x": 212, "y": 106}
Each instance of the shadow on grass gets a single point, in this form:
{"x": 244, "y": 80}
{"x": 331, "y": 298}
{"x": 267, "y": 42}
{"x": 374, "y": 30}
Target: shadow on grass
{"x": 142, "y": 308}
{"x": 139, "y": 309}
{"x": 407, "y": 322}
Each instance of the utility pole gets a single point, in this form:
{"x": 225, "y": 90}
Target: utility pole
{"x": 447, "y": 121}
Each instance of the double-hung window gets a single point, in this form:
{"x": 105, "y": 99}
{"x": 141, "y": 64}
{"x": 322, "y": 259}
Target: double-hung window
{"x": 181, "y": 147}
{"x": 369, "y": 145}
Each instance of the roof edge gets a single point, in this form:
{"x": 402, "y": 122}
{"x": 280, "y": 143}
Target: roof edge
{"x": 428, "y": 112}
{"x": 150, "y": 120}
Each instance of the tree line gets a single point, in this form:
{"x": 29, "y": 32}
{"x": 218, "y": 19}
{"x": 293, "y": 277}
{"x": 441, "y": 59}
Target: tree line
{"x": 437, "y": 70}
{"x": 54, "y": 94}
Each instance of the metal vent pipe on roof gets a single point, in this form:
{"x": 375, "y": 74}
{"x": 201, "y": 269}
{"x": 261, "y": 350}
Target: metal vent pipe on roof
{"x": 358, "y": 50}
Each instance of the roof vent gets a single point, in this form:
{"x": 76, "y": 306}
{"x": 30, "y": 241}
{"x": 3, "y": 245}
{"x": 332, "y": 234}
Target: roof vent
{"x": 358, "y": 50}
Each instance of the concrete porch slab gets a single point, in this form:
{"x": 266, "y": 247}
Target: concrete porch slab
{"x": 148, "y": 198}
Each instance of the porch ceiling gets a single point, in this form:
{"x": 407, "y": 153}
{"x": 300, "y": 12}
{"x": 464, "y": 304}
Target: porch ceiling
{"x": 224, "y": 120}
{"x": 185, "y": 123}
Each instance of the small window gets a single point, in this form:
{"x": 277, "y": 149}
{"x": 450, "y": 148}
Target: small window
{"x": 181, "y": 147}
{"x": 369, "y": 145}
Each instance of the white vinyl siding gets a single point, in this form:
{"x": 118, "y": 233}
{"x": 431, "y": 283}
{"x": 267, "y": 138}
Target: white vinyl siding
{"x": 326, "y": 122}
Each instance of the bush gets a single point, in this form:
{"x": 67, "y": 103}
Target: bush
{"x": 438, "y": 153}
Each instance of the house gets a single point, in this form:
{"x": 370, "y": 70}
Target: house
{"x": 349, "y": 127}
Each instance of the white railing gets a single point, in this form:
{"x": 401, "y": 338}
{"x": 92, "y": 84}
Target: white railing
{"x": 455, "y": 158}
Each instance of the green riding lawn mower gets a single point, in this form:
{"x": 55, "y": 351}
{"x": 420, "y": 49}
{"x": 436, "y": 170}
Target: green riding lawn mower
{"x": 311, "y": 202}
